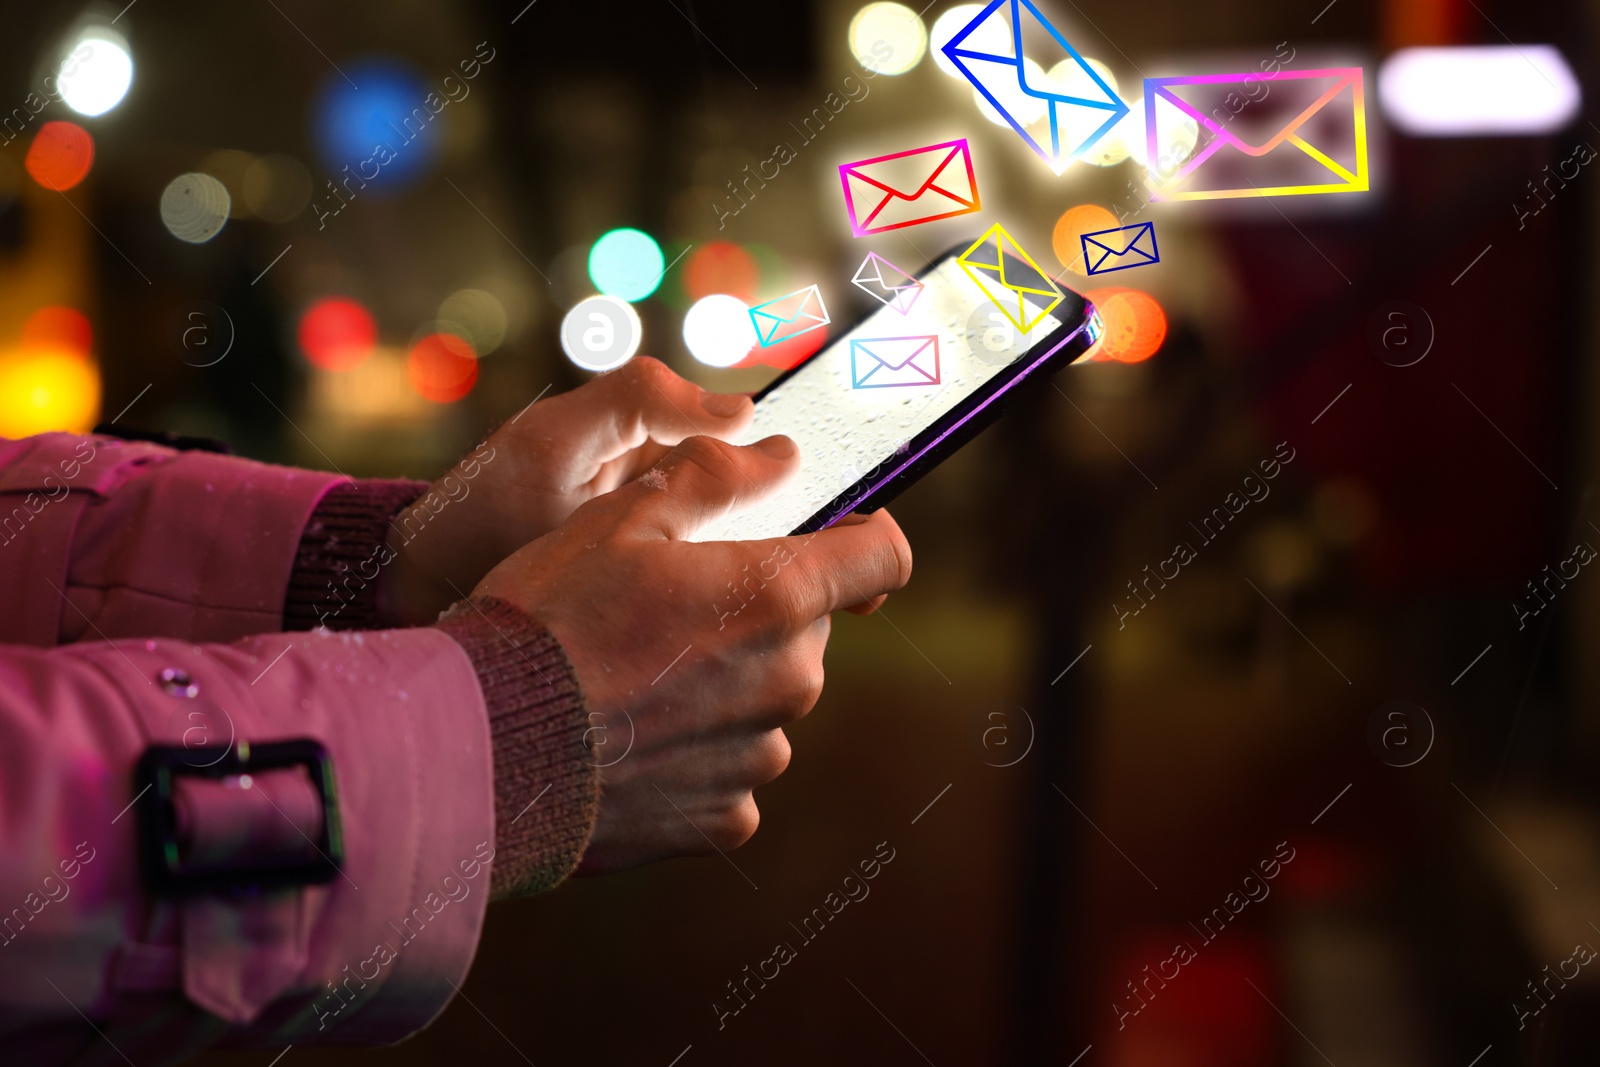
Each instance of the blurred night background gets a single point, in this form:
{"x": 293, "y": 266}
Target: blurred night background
{"x": 1355, "y": 673}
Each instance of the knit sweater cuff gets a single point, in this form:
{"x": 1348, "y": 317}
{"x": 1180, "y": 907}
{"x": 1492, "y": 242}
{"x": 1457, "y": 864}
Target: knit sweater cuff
{"x": 344, "y": 546}
{"x": 546, "y": 787}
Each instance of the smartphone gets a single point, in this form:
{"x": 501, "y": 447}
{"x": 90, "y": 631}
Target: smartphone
{"x": 898, "y": 393}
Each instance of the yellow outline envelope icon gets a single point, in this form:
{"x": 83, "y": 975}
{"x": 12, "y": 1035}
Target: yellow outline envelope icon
{"x": 985, "y": 263}
{"x": 1289, "y": 150}
{"x": 801, "y": 310}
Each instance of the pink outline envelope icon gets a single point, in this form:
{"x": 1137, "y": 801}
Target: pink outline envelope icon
{"x": 887, "y": 283}
{"x": 1227, "y": 165}
{"x": 893, "y": 361}
{"x": 908, "y": 188}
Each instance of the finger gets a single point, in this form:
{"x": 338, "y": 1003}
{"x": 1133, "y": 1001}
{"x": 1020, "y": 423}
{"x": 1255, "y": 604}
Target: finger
{"x": 703, "y": 479}
{"x": 839, "y": 567}
{"x": 640, "y": 402}
{"x": 867, "y": 607}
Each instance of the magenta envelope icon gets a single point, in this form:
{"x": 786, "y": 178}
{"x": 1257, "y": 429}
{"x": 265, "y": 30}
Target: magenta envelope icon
{"x": 883, "y": 362}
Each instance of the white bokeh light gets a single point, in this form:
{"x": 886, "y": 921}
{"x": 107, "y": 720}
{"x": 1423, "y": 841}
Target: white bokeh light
{"x": 1078, "y": 124}
{"x": 718, "y": 330}
{"x": 195, "y": 207}
{"x": 994, "y": 37}
{"x": 1482, "y": 89}
{"x": 1022, "y": 107}
{"x": 898, "y": 28}
{"x": 96, "y": 72}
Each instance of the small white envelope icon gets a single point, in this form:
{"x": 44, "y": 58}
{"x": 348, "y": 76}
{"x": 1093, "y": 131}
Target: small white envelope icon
{"x": 887, "y": 283}
{"x": 882, "y": 362}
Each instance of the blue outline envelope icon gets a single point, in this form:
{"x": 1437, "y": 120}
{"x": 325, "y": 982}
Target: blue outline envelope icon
{"x": 1139, "y": 250}
{"x": 1001, "y": 76}
{"x": 801, "y": 310}
{"x": 892, "y": 361}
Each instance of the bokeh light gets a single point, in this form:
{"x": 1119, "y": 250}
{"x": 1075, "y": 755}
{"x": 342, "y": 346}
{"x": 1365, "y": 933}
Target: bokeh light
{"x": 229, "y": 166}
{"x": 60, "y": 155}
{"x": 57, "y": 329}
{"x": 476, "y": 316}
{"x": 1073, "y": 224}
{"x": 1135, "y": 325}
{"x": 894, "y": 27}
{"x": 44, "y": 391}
{"x": 626, "y": 264}
{"x": 195, "y": 207}
{"x": 1078, "y": 124}
{"x": 96, "y": 72}
{"x": 277, "y": 188}
{"x": 718, "y": 330}
{"x": 789, "y": 353}
{"x": 994, "y": 36}
{"x": 336, "y": 333}
{"x": 387, "y": 110}
{"x": 721, "y": 267}
{"x": 1177, "y": 133}
{"x": 1024, "y": 108}
{"x": 442, "y": 368}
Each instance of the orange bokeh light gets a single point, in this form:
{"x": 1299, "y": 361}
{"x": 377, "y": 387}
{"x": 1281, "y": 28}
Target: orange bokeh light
{"x": 1073, "y": 224}
{"x": 58, "y": 329}
{"x": 47, "y": 391}
{"x": 443, "y": 368}
{"x": 1135, "y": 325}
{"x": 60, "y": 155}
{"x": 721, "y": 267}
{"x": 337, "y": 333}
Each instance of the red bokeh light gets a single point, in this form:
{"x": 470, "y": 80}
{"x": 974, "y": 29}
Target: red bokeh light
{"x": 336, "y": 333}
{"x": 786, "y": 354}
{"x": 58, "y": 329}
{"x": 60, "y": 155}
{"x": 721, "y": 267}
{"x": 443, "y": 368}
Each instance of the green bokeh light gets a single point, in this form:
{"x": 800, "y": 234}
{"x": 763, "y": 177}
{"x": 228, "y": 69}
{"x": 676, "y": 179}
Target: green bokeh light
{"x": 626, "y": 264}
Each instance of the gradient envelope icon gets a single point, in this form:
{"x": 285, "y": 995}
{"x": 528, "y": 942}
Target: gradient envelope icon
{"x": 884, "y": 362}
{"x": 887, "y": 283}
{"x": 1008, "y": 276}
{"x": 999, "y": 77}
{"x": 1313, "y": 140}
{"x": 1120, "y": 249}
{"x": 906, "y": 188}
{"x": 789, "y": 316}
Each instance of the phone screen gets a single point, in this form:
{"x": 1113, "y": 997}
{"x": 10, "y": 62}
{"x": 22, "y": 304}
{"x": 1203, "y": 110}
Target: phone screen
{"x": 855, "y": 404}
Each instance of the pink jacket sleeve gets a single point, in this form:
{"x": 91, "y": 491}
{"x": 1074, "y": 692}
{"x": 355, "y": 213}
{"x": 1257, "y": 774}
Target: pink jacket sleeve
{"x": 134, "y": 552}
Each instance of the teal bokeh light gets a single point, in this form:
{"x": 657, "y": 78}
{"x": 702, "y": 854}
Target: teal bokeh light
{"x": 626, "y": 264}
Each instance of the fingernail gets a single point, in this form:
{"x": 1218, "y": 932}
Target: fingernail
{"x": 775, "y": 447}
{"x": 723, "y": 405}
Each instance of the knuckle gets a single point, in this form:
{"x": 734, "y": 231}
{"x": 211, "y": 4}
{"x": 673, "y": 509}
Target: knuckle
{"x": 739, "y": 824}
{"x": 771, "y": 757}
{"x": 645, "y": 370}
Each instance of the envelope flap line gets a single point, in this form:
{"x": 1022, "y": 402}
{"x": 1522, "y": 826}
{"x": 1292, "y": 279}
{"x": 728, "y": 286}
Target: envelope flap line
{"x": 893, "y": 360}
{"x": 924, "y": 187}
{"x": 1207, "y": 122}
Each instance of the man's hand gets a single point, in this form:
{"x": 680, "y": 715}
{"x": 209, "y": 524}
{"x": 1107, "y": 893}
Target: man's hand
{"x": 648, "y": 621}
{"x": 534, "y": 471}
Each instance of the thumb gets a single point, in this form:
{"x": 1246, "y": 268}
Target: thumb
{"x": 703, "y": 479}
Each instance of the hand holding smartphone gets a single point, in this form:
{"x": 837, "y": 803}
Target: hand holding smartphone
{"x": 896, "y": 394}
